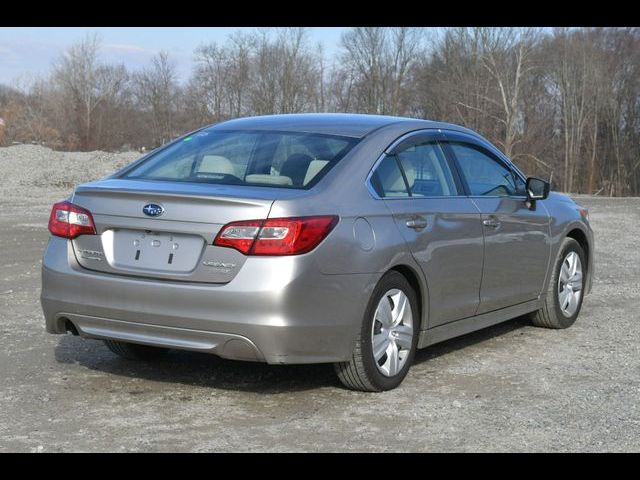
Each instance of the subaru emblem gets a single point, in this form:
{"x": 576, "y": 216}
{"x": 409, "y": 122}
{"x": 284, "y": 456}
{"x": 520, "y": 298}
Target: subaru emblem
{"x": 153, "y": 210}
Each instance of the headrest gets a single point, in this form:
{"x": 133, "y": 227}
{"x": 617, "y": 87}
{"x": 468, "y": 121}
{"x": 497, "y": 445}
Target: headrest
{"x": 217, "y": 164}
{"x": 269, "y": 179}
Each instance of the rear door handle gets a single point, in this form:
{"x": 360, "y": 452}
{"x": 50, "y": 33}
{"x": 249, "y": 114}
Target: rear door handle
{"x": 417, "y": 223}
{"x": 491, "y": 223}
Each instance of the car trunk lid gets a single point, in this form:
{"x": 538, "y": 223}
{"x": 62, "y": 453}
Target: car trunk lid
{"x": 175, "y": 245}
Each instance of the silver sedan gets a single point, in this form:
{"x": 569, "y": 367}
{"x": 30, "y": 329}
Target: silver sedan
{"x": 349, "y": 239}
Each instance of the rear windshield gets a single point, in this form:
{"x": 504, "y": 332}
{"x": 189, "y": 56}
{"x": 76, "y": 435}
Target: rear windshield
{"x": 266, "y": 158}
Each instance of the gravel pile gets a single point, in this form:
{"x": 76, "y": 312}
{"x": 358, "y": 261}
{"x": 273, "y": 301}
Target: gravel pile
{"x": 28, "y": 169}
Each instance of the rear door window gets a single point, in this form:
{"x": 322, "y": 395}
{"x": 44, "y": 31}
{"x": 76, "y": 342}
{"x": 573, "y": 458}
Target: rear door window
{"x": 388, "y": 180}
{"x": 415, "y": 170}
{"x": 427, "y": 171}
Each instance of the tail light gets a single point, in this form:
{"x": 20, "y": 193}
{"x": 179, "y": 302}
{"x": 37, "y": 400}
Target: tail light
{"x": 69, "y": 221}
{"x": 276, "y": 236}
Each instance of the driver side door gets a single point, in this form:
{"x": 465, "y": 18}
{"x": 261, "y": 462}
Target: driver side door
{"x": 517, "y": 241}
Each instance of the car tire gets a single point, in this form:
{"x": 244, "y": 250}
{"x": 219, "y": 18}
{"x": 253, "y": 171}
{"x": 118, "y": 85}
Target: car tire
{"x": 362, "y": 372}
{"x": 134, "y": 351}
{"x": 552, "y": 314}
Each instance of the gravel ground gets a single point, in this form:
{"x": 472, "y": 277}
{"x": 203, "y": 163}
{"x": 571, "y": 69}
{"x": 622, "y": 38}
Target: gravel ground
{"x": 512, "y": 387}
{"x": 29, "y": 170}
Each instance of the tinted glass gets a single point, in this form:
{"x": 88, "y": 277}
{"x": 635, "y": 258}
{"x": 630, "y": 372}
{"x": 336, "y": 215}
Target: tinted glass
{"x": 387, "y": 179}
{"x": 427, "y": 171}
{"x": 275, "y": 159}
{"x": 484, "y": 174}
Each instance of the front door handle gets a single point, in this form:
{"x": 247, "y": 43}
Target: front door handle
{"x": 491, "y": 223}
{"x": 417, "y": 223}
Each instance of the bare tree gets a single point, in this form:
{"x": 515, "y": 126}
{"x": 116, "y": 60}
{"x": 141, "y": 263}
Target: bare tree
{"x": 622, "y": 108}
{"x": 568, "y": 74}
{"x": 238, "y": 72}
{"x": 378, "y": 63}
{"x": 156, "y": 89}
{"x": 364, "y": 48}
{"x": 507, "y": 55}
{"x": 26, "y": 112}
{"x": 222, "y": 76}
{"x": 299, "y": 79}
{"x": 76, "y": 73}
{"x": 85, "y": 84}
{"x": 210, "y": 78}
{"x": 113, "y": 87}
{"x": 284, "y": 73}
{"x": 451, "y": 83}
{"x": 485, "y": 79}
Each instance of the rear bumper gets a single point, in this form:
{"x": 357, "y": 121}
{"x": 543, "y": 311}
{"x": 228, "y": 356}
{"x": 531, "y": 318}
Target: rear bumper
{"x": 277, "y": 309}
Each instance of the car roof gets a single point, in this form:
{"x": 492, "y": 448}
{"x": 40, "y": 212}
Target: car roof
{"x": 343, "y": 124}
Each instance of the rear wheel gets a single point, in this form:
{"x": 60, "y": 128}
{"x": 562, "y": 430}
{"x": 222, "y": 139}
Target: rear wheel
{"x": 134, "y": 351}
{"x": 564, "y": 296}
{"x": 386, "y": 344}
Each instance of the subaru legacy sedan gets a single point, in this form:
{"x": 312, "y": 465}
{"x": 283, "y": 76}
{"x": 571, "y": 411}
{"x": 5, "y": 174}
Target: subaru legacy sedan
{"x": 314, "y": 238}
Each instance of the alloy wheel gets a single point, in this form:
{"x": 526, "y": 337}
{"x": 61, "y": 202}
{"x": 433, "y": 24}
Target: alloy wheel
{"x": 570, "y": 284}
{"x": 392, "y": 332}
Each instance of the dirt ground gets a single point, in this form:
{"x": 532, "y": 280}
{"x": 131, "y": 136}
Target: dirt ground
{"x": 512, "y": 387}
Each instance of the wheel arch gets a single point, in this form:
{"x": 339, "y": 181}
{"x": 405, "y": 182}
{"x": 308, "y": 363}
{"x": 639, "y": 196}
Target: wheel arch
{"x": 585, "y": 240}
{"x": 418, "y": 283}
{"x": 579, "y": 236}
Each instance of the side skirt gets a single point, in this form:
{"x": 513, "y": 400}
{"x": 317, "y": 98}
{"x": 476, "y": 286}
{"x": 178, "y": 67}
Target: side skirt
{"x": 467, "y": 325}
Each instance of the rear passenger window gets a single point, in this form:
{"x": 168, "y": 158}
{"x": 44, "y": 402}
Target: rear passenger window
{"x": 387, "y": 179}
{"x": 427, "y": 171}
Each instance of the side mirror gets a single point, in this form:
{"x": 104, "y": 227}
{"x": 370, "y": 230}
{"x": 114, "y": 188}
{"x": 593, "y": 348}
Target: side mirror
{"x": 537, "y": 189}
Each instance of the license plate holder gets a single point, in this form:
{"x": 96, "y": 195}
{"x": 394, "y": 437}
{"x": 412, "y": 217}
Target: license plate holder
{"x": 152, "y": 251}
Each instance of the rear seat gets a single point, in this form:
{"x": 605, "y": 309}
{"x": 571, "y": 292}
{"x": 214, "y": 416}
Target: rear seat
{"x": 222, "y": 165}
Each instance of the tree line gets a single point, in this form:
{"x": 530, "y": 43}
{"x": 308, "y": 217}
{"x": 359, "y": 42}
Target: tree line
{"x": 562, "y": 103}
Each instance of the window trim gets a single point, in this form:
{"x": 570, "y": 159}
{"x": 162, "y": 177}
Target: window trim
{"x": 421, "y": 136}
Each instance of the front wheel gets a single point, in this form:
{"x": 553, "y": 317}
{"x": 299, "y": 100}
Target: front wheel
{"x": 386, "y": 344}
{"x": 566, "y": 288}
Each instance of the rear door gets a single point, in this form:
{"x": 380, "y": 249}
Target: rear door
{"x": 516, "y": 234}
{"x": 439, "y": 223}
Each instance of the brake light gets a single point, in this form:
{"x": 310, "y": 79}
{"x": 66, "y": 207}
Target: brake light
{"x": 69, "y": 221}
{"x": 276, "y": 236}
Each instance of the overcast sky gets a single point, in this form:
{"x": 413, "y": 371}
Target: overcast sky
{"x": 29, "y": 51}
